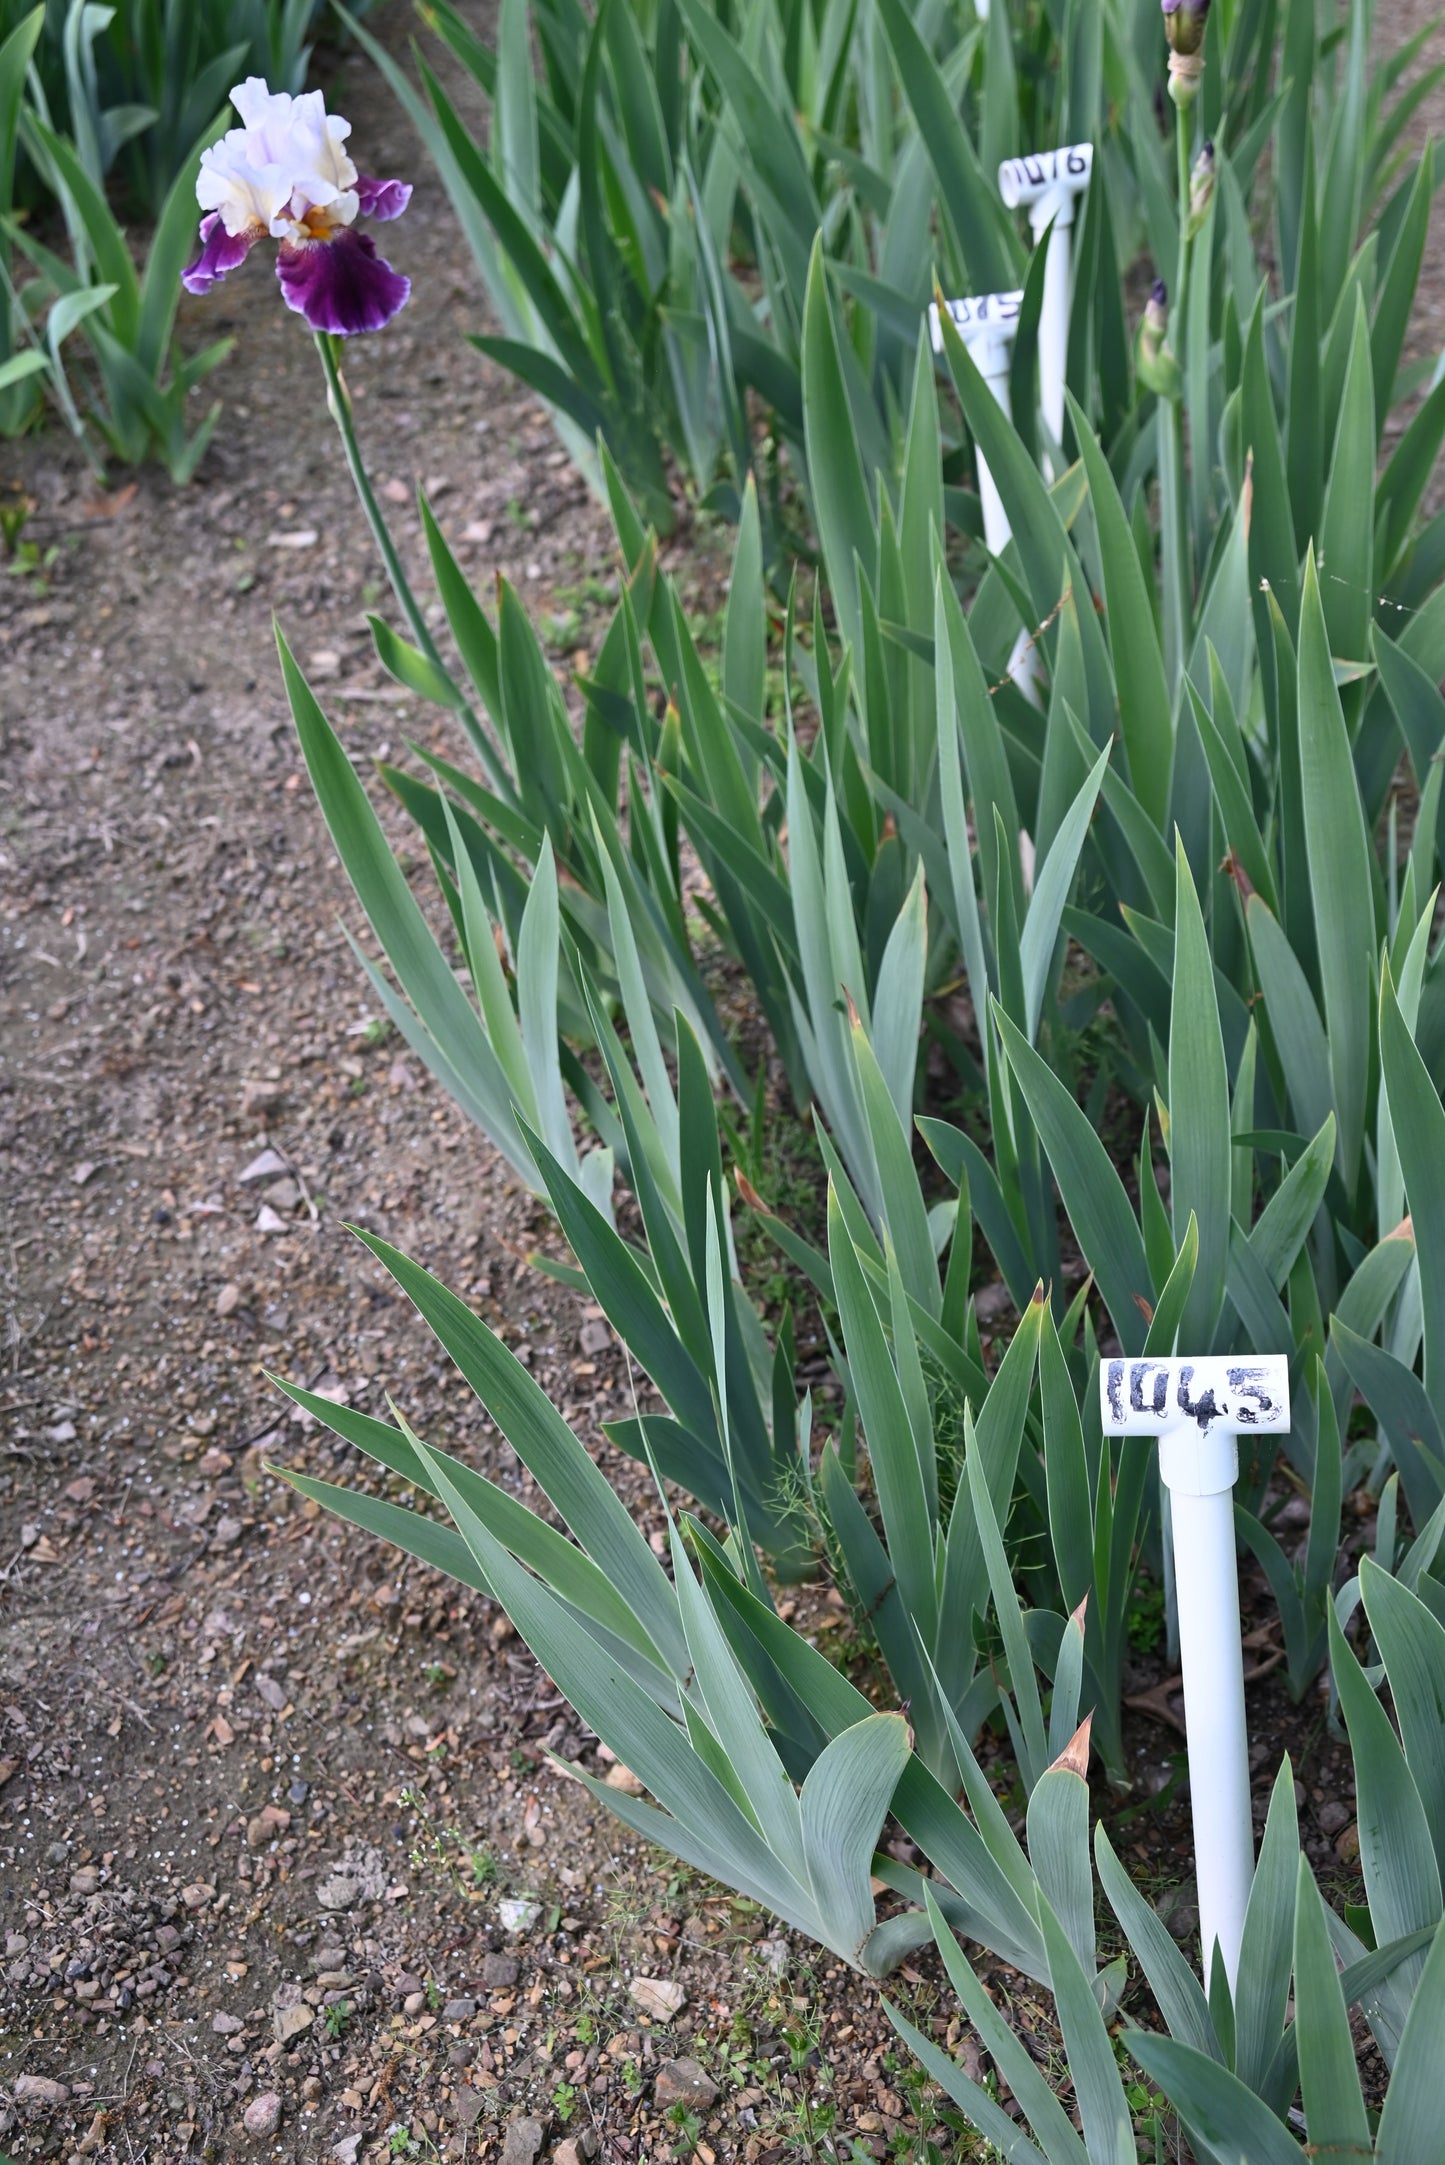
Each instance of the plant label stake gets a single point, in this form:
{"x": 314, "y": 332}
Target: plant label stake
{"x": 1197, "y": 1409}
{"x": 1049, "y": 187}
{"x": 987, "y": 325}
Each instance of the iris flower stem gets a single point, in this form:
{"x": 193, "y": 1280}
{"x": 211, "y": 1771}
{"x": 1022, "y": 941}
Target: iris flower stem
{"x": 338, "y": 399}
{"x": 1181, "y": 138}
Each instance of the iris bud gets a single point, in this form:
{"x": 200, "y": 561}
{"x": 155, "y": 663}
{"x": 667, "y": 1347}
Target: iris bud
{"x": 1201, "y": 187}
{"x": 1157, "y": 368}
{"x": 1184, "y": 22}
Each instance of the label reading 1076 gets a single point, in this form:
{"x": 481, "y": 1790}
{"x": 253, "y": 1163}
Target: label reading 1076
{"x": 1037, "y": 172}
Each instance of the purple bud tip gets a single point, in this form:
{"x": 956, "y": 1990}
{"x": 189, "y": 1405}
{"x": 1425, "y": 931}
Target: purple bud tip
{"x": 1159, "y": 294}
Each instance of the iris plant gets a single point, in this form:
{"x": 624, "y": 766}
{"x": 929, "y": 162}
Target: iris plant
{"x": 285, "y": 172}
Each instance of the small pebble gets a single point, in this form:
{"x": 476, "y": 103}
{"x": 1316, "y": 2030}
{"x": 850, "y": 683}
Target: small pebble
{"x": 262, "y": 2116}
{"x": 684, "y": 2082}
{"x": 40, "y": 2090}
{"x": 523, "y": 2141}
{"x": 660, "y": 1997}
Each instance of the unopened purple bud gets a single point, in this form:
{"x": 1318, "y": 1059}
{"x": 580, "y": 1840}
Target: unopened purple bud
{"x": 1158, "y": 370}
{"x": 1184, "y": 22}
{"x": 1201, "y": 186}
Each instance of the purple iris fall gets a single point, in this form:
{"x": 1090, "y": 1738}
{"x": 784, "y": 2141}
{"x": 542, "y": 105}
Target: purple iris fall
{"x": 285, "y": 173}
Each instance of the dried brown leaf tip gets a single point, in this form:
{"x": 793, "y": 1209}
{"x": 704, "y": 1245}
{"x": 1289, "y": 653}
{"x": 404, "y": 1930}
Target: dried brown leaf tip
{"x": 1237, "y": 873}
{"x": 1077, "y": 1617}
{"x": 1405, "y": 1230}
{"x": 1074, "y": 1758}
{"x": 854, "y": 1018}
{"x": 749, "y": 1193}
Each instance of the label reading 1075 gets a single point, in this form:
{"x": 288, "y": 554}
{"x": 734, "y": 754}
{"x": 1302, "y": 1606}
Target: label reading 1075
{"x": 986, "y": 308}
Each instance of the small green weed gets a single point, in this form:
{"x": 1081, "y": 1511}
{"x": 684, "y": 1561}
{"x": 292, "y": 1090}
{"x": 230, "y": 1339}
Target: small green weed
{"x": 14, "y": 516}
{"x": 689, "y": 2129}
{"x": 29, "y": 561}
{"x": 1144, "y": 1621}
{"x": 442, "y": 1849}
{"x": 564, "y": 2101}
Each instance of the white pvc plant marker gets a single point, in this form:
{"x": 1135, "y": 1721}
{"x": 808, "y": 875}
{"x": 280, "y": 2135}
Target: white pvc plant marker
{"x": 987, "y": 325}
{"x": 1197, "y": 1409}
{"x": 1049, "y": 187}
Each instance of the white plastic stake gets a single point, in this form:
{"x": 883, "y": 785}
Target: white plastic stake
{"x": 987, "y": 325}
{"x": 1049, "y": 187}
{"x": 1197, "y": 1409}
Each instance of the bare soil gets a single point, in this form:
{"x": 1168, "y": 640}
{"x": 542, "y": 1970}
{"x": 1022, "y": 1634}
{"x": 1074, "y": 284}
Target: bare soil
{"x": 267, "y": 1791}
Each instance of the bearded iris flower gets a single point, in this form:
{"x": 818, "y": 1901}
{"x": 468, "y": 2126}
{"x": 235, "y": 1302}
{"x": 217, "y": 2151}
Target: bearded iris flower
{"x": 285, "y": 173}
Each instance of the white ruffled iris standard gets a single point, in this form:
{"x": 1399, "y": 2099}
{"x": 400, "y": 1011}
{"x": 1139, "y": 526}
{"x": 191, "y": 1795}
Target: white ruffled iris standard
{"x": 285, "y": 173}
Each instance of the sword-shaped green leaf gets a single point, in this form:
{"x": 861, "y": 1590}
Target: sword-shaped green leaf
{"x": 1094, "y": 1197}
{"x": 843, "y": 1804}
{"x": 1145, "y": 707}
{"x": 1199, "y": 1127}
{"x": 1412, "y": 1646}
{"x": 842, "y": 500}
{"x": 1397, "y": 1856}
{"x": 1334, "y": 2109}
{"x": 1339, "y": 864}
{"x": 1418, "y": 1119}
{"x": 1409, "y": 2129}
